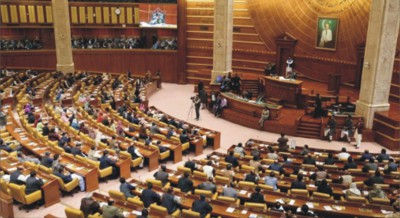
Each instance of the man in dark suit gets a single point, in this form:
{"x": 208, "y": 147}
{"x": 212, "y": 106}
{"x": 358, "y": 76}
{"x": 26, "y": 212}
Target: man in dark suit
{"x": 17, "y": 177}
{"x": 257, "y": 197}
{"x": 105, "y": 162}
{"x": 32, "y": 183}
{"x": 77, "y": 150}
{"x": 89, "y": 205}
{"x": 126, "y": 188}
{"x": 282, "y": 141}
{"x": 170, "y": 201}
{"x": 65, "y": 177}
{"x": 47, "y": 161}
{"x": 309, "y": 160}
{"x": 144, "y": 214}
{"x": 299, "y": 184}
{"x": 232, "y": 159}
{"x": 191, "y": 165}
{"x": 162, "y": 175}
{"x": 45, "y": 130}
{"x": 251, "y": 177}
{"x": 184, "y": 137}
{"x": 111, "y": 211}
{"x": 201, "y": 206}
{"x": 184, "y": 183}
{"x": 376, "y": 179}
{"x": 149, "y": 196}
{"x": 208, "y": 185}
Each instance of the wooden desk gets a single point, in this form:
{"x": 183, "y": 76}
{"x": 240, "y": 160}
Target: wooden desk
{"x": 6, "y": 205}
{"x": 283, "y": 89}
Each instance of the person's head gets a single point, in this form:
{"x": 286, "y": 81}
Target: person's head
{"x": 309, "y": 156}
{"x": 285, "y": 158}
{"x": 20, "y": 168}
{"x": 186, "y": 174}
{"x": 324, "y": 183}
{"x": 344, "y": 149}
{"x": 304, "y": 208}
{"x": 110, "y": 202}
{"x": 105, "y": 153}
{"x": 366, "y": 151}
{"x": 306, "y": 146}
{"x": 32, "y": 173}
{"x": 300, "y": 177}
{"x": 210, "y": 179}
{"x": 232, "y": 184}
{"x": 383, "y": 151}
{"x": 229, "y": 166}
{"x": 391, "y": 160}
{"x": 56, "y": 156}
{"x": 170, "y": 190}
{"x": 371, "y": 160}
{"x": 122, "y": 180}
{"x": 202, "y": 197}
{"x": 145, "y": 213}
{"x": 47, "y": 154}
{"x": 377, "y": 173}
{"x": 282, "y": 134}
{"x": 258, "y": 189}
{"x": 209, "y": 163}
{"x": 320, "y": 168}
{"x": 330, "y": 155}
{"x": 149, "y": 185}
{"x": 350, "y": 159}
{"x": 240, "y": 144}
{"x": 272, "y": 174}
{"x": 377, "y": 187}
{"x": 231, "y": 153}
{"x": 163, "y": 168}
{"x": 255, "y": 158}
{"x": 277, "y": 204}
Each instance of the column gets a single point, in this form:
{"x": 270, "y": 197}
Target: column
{"x": 383, "y": 29}
{"x": 62, "y": 35}
{"x": 222, "y": 49}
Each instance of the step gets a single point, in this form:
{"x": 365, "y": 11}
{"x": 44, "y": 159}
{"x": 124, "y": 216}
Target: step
{"x": 313, "y": 132}
{"x": 308, "y": 136}
{"x": 308, "y": 128}
{"x": 311, "y": 125}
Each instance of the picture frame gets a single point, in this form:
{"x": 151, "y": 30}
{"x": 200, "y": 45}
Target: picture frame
{"x": 327, "y": 32}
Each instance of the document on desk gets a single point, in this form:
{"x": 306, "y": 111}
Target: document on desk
{"x": 242, "y": 192}
{"x": 310, "y": 204}
{"x": 244, "y": 211}
{"x": 137, "y": 213}
{"x": 280, "y": 201}
{"x": 253, "y": 215}
{"x": 291, "y": 202}
{"x": 230, "y": 209}
{"x": 328, "y": 208}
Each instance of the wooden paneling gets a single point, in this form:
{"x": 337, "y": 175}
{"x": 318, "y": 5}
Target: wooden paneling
{"x": 49, "y": 14}
{"x": 114, "y": 18}
{"x": 40, "y": 14}
{"x": 106, "y": 15}
{"x": 14, "y": 14}
{"x": 22, "y": 14}
{"x": 4, "y": 14}
{"x": 74, "y": 15}
{"x": 82, "y": 15}
{"x": 31, "y": 14}
{"x": 129, "y": 15}
{"x": 90, "y": 13}
{"x": 122, "y": 16}
{"x": 40, "y": 59}
{"x": 99, "y": 19}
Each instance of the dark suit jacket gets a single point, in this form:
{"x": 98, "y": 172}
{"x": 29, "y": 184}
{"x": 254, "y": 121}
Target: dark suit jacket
{"x": 257, "y": 197}
{"x": 126, "y": 189}
{"x": 76, "y": 151}
{"x": 47, "y": 161}
{"x": 185, "y": 184}
{"x": 201, "y": 207}
{"x": 374, "y": 180}
{"x": 65, "y": 178}
{"x": 233, "y": 160}
{"x": 168, "y": 201}
{"x": 33, "y": 184}
{"x": 149, "y": 196}
{"x": 111, "y": 212}
{"x": 106, "y": 162}
{"x": 298, "y": 185}
{"x": 89, "y": 206}
{"x": 162, "y": 176}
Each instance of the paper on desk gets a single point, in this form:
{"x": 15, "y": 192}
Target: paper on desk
{"x": 35, "y": 149}
{"x": 242, "y": 192}
{"x": 80, "y": 168}
{"x": 179, "y": 176}
{"x": 244, "y": 211}
{"x": 12, "y": 169}
{"x": 253, "y": 215}
{"x": 365, "y": 193}
{"x": 328, "y": 208}
{"x": 166, "y": 145}
{"x": 310, "y": 204}
{"x": 311, "y": 185}
{"x": 13, "y": 164}
{"x": 137, "y": 213}
{"x": 386, "y": 212}
{"x": 280, "y": 201}
{"x": 102, "y": 204}
{"x": 291, "y": 202}
{"x": 170, "y": 174}
{"x": 125, "y": 213}
{"x": 230, "y": 209}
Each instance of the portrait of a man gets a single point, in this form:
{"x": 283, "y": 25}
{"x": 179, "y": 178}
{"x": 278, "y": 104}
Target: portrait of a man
{"x": 327, "y": 30}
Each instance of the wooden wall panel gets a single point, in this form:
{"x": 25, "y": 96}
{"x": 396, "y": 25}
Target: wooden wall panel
{"x": 14, "y": 14}
{"x": 74, "y": 15}
{"x": 49, "y": 14}
{"x": 99, "y": 17}
{"x": 106, "y": 15}
{"x": 39, "y": 59}
{"x": 4, "y": 14}
{"x": 90, "y": 12}
{"x": 40, "y": 14}
{"x": 82, "y": 15}
{"x": 129, "y": 15}
{"x": 22, "y": 14}
{"x": 31, "y": 14}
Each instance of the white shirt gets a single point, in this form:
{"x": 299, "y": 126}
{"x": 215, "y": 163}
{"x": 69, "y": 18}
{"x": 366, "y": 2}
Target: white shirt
{"x": 343, "y": 155}
{"x": 326, "y": 36}
{"x": 208, "y": 170}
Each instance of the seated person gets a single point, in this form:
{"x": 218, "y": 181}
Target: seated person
{"x": 382, "y": 156}
{"x": 376, "y": 179}
{"x": 330, "y": 160}
{"x": 277, "y": 207}
{"x": 208, "y": 185}
{"x": 126, "y": 188}
{"x": 271, "y": 180}
{"x": 350, "y": 164}
{"x": 309, "y": 160}
{"x": 47, "y": 161}
{"x": 184, "y": 183}
{"x": 111, "y": 211}
{"x": 162, "y": 175}
{"x": 201, "y": 206}
{"x": 89, "y": 206}
{"x": 232, "y": 159}
{"x": 170, "y": 201}
{"x": 251, "y": 177}
{"x": 149, "y": 196}
{"x": 323, "y": 187}
{"x": 230, "y": 191}
{"x": 353, "y": 191}
{"x": 298, "y": 184}
{"x": 33, "y": 183}
{"x": 376, "y": 192}
{"x": 257, "y": 197}
{"x": 305, "y": 211}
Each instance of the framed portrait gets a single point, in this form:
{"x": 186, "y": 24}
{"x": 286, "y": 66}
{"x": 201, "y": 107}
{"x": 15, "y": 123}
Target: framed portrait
{"x": 327, "y": 31}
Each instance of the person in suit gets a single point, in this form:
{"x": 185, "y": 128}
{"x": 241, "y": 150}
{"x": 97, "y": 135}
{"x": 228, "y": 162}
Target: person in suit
{"x": 324, "y": 187}
{"x": 191, "y": 165}
{"x": 47, "y": 161}
{"x": 202, "y": 206}
{"x": 17, "y": 177}
{"x": 305, "y": 211}
{"x": 228, "y": 172}
{"x": 89, "y": 206}
{"x": 154, "y": 129}
{"x": 66, "y": 178}
{"x": 170, "y": 201}
{"x": 184, "y": 137}
{"x": 105, "y": 162}
{"x": 232, "y": 159}
{"x": 162, "y": 175}
{"x": 350, "y": 164}
{"x": 149, "y": 196}
{"x": 32, "y": 183}
{"x": 318, "y": 111}
{"x": 329, "y": 160}
{"x": 45, "y": 130}
{"x": 272, "y": 180}
{"x": 282, "y": 141}
{"x": 230, "y": 191}
{"x": 208, "y": 185}
{"x": 184, "y": 183}
{"x": 309, "y": 160}
{"x": 111, "y": 211}
{"x": 298, "y": 184}
{"x": 239, "y": 150}
{"x": 144, "y": 214}
{"x": 382, "y": 156}
{"x": 330, "y": 129}
{"x": 197, "y": 103}
{"x": 135, "y": 153}
{"x": 77, "y": 150}
{"x": 126, "y": 188}
{"x": 257, "y": 197}
{"x": 376, "y": 179}
{"x": 251, "y": 177}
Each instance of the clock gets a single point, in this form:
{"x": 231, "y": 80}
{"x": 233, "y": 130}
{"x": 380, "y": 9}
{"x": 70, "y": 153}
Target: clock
{"x": 117, "y": 11}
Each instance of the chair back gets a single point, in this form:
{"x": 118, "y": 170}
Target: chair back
{"x": 321, "y": 195}
{"x": 226, "y": 199}
{"x": 17, "y": 192}
{"x": 302, "y": 192}
{"x": 206, "y": 193}
{"x": 248, "y": 168}
{"x": 3, "y": 186}
{"x": 198, "y": 174}
{"x": 155, "y": 182}
{"x": 117, "y": 195}
{"x": 190, "y": 214}
{"x": 45, "y": 169}
{"x": 380, "y": 201}
{"x": 73, "y": 213}
{"x": 357, "y": 199}
{"x": 136, "y": 201}
{"x": 222, "y": 180}
{"x": 255, "y": 205}
{"x": 245, "y": 184}
{"x": 266, "y": 187}
{"x": 159, "y": 209}
{"x": 183, "y": 169}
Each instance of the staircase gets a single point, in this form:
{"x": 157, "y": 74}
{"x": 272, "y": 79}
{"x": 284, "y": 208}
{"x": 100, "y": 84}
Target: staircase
{"x": 250, "y": 86}
{"x": 394, "y": 94}
{"x": 309, "y": 128}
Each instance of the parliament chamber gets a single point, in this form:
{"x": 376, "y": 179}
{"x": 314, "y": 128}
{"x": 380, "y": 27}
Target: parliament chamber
{"x": 199, "y": 108}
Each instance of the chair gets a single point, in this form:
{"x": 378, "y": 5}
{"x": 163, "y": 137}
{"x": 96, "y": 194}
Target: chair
{"x": 45, "y": 169}
{"x": 222, "y": 180}
{"x": 333, "y": 167}
{"x": 96, "y": 215}
{"x": 163, "y": 210}
{"x": 73, "y": 213}
{"x": 136, "y": 201}
{"x": 255, "y": 205}
{"x": 4, "y": 186}
{"x": 308, "y": 167}
{"x": 134, "y": 163}
{"x": 183, "y": 169}
{"x": 198, "y": 174}
{"x": 185, "y": 146}
{"x": 248, "y": 168}
{"x": 18, "y": 193}
{"x": 206, "y": 193}
{"x": 103, "y": 173}
{"x": 192, "y": 214}
{"x": 66, "y": 188}
{"x": 158, "y": 183}
{"x": 321, "y": 195}
{"x": 380, "y": 201}
{"x": 302, "y": 192}
{"x": 267, "y": 187}
{"x": 229, "y": 199}
{"x": 247, "y": 185}
{"x": 117, "y": 195}
{"x": 161, "y": 156}
{"x": 354, "y": 170}
{"x": 31, "y": 165}
{"x": 357, "y": 199}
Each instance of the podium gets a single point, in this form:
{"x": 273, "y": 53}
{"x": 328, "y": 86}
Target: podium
{"x": 286, "y": 90}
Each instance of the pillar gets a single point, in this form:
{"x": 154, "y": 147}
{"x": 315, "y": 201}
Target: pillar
{"x": 62, "y": 35}
{"x": 222, "y": 48}
{"x": 383, "y": 29}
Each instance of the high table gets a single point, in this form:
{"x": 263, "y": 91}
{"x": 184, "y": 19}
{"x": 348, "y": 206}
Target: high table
{"x": 285, "y": 90}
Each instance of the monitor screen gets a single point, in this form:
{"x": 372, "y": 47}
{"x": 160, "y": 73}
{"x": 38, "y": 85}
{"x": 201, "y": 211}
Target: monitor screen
{"x": 158, "y": 16}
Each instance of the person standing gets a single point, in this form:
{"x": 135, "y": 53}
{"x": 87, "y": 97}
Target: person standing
{"x": 330, "y": 128}
{"x": 89, "y": 206}
{"x": 318, "y": 106}
{"x": 264, "y": 116}
{"x": 359, "y": 132}
{"x": 326, "y": 36}
{"x": 197, "y": 104}
{"x": 347, "y": 130}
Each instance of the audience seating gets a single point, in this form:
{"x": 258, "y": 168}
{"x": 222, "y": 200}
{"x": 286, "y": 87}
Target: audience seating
{"x": 18, "y": 193}
{"x": 192, "y": 214}
{"x": 302, "y": 192}
{"x": 158, "y": 183}
{"x": 66, "y": 188}
{"x": 229, "y": 199}
{"x": 73, "y": 213}
{"x": 255, "y": 205}
{"x": 206, "y": 193}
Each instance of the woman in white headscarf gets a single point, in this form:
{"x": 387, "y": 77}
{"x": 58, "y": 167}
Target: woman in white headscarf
{"x": 353, "y": 191}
